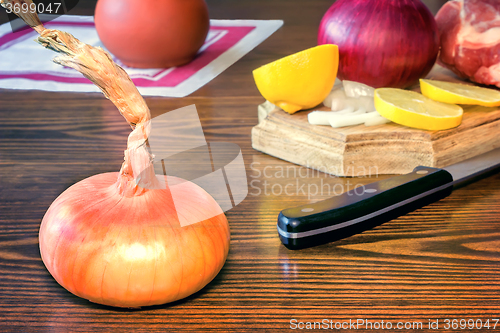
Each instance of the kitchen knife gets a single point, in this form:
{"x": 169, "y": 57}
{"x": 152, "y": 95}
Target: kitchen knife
{"x": 365, "y": 207}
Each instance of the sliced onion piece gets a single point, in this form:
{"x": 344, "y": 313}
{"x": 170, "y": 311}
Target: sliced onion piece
{"x": 339, "y": 100}
{"x": 356, "y": 89}
{"x": 360, "y": 110}
{"x": 351, "y": 104}
{"x": 328, "y": 100}
{"x": 350, "y": 120}
{"x": 366, "y": 102}
{"x": 323, "y": 117}
{"x": 319, "y": 117}
{"x": 348, "y": 109}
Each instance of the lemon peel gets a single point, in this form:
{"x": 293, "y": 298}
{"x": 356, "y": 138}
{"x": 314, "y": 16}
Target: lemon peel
{"x": 299, "y": 81}
{"x": 457, "y": 93}
{"x": 412, "y": 109}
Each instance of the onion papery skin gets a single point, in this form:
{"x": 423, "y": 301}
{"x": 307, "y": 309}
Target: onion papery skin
{"x": 382, "y": 43}
{"x": 131, "y": 251}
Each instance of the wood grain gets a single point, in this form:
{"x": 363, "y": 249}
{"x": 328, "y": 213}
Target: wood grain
{"x": 435, "y": 263}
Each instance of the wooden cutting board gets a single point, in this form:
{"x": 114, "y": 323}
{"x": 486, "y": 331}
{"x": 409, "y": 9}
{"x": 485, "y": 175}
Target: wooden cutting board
{"x": 369, "y": 151}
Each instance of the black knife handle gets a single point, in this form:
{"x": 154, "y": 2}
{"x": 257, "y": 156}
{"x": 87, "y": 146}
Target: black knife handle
{"x": 362, "y": 208}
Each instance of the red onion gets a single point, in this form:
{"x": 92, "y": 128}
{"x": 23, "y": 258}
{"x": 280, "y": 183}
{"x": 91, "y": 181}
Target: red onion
{"x": 382, "y": 43}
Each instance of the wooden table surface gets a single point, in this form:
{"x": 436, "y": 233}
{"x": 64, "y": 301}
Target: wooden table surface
{"x": 437, "y": 263}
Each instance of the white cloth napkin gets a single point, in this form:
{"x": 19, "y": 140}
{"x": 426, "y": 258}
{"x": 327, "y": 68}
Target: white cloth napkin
{"x": 26, "y": 65}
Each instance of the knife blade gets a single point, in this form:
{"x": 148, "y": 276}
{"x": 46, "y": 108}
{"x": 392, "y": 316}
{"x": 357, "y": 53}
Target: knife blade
{"x": 353, "y": 212}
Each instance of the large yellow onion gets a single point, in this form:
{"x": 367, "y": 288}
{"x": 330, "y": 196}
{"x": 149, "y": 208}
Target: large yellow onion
{"x": 131, "y": 251}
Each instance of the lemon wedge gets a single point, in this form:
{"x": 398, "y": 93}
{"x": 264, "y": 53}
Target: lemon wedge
{"x": 412, "y": 109}
{"x": 299, "y": 81}
{"x": 456, "y": 93}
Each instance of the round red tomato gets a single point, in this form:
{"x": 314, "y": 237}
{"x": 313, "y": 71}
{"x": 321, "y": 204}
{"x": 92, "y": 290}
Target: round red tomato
{"x": 152, "y": 33}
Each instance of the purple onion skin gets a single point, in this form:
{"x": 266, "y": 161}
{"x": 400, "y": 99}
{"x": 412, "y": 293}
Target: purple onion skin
{"x": 382, "y": 43}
